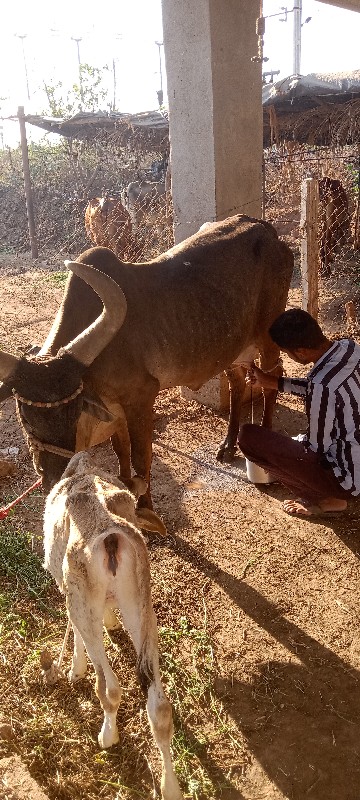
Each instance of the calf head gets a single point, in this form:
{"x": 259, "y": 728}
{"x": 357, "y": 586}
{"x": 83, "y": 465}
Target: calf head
{"x": 49, "y": 390}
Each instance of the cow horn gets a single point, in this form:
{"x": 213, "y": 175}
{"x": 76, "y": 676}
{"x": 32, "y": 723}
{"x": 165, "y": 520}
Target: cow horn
{"x": 8, "y": 364}
{"x": 90, "y": 343}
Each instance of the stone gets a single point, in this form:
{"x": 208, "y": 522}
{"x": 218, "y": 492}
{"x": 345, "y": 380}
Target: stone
{"x": 16, "y": 782}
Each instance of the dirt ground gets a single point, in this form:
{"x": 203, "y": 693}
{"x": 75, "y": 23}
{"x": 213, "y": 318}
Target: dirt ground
{"x": 265, "y": 609}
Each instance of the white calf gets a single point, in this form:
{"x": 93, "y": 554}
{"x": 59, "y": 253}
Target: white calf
{"x": 98, "y": 557}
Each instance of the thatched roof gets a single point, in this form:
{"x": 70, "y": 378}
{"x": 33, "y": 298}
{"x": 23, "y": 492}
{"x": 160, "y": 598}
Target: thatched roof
{"x": 313, "y": 109}
{"x": 316, "y": 109}
{"x": 148, "y": 129}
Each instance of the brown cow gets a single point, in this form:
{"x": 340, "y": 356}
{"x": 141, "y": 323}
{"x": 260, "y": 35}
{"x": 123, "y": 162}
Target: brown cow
{"x": 126, "y": 331}
{"x": 334, "y": 220}
{"x": 108, "y": 224}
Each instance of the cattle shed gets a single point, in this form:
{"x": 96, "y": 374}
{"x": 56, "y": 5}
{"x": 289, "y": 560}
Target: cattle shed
{"x": 314, "y": 109}
{"x": 317, "y": 109}
{"x": 147, "y": 131}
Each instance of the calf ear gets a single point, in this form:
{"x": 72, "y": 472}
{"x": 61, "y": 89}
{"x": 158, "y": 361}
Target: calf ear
{"x": 150, "y": 521}
{"x": 94, "y": 406}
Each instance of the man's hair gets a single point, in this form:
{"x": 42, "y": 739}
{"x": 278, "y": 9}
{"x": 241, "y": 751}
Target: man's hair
{"x": 296, "y": 328}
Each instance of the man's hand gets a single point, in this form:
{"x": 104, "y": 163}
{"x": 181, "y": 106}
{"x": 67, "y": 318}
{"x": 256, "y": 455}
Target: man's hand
{"x": 258, "y": 378}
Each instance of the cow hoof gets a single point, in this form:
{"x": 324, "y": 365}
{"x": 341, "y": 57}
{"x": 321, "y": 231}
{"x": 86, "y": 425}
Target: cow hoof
{"x": 226, "y": 453}
{"x": 220, "y": 453}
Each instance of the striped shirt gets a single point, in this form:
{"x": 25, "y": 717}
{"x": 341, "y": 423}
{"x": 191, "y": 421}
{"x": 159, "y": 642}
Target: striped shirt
{"x": 331, "y": 392}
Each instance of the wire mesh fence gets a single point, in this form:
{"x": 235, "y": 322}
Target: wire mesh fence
{"x": 64, "y": 178}
{"x": 101, "y": 193}
{"x": 337, "y": 172}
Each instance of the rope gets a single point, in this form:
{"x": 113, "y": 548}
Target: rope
{"x": 36, "y": 444}
{"x": 4, "y": 511}
{"x": 56, "y": 403}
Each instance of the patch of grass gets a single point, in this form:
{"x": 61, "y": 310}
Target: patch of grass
{"x": 7, "y": 250}
{"x": 19, "y": 563}
{"x": 58, "y": 278}
{"x": 189, "y": 669}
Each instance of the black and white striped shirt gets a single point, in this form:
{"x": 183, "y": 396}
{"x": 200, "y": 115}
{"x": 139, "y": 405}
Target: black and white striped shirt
{"x": 331, "y": 392}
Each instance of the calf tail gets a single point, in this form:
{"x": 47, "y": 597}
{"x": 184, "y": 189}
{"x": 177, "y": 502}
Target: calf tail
{"x": 111, "y": 543}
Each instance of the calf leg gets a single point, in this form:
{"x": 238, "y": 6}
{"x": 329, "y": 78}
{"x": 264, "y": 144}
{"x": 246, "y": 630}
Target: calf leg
{"x": 86, "y": 614}
{"x": 140, "y": 621}
{"x": 111, "y": 622}
{"x": 79, "y": 662}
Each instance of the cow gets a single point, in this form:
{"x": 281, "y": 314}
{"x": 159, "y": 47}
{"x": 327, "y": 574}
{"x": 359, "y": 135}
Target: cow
{"x": 126, "y": 331}
{"x": 108, "y": 224}
{"x": 146, "y": 203}
{"x": 334, "y": 220}
{"x": 98, "y": 557}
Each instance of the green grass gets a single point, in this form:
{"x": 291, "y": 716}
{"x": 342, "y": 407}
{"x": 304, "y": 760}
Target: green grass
{"x": 189, "y": 669}
{"x": 58, "y": 278}
{"x": 23, "y": 577}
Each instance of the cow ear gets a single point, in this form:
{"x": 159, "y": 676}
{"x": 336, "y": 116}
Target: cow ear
{"x": 94, "y": 406}
{"x": 150, "y": 521}
{"x": 5, "y": 392}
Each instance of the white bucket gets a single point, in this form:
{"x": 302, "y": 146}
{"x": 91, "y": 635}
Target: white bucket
{"x": 257, "y": 474}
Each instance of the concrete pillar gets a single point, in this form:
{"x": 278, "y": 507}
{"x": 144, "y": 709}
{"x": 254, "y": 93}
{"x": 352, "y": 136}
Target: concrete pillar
{"x": 214, "y": 93}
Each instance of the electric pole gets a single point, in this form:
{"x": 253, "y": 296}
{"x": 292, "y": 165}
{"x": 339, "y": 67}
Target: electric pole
{"x": 74, "y": 39}
{"x": 297, "y": 38}
{"x": 160, "y": 93}
{"x": 22, "y": 37}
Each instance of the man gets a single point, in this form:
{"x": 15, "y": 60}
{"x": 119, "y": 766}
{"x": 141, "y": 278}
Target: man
{"x": 323, "y": 465}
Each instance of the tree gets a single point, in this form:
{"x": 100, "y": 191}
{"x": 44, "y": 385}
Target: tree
{"x": 89, "y": 94}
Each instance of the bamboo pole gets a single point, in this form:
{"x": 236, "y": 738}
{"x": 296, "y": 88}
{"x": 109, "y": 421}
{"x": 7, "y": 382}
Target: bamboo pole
{"x": 309, "y": 246}
{"x": 27, "y": 184}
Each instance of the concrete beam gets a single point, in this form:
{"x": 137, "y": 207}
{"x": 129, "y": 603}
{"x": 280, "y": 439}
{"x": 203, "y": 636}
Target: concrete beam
{"x": 349, "y": 5}
{"x": 215, "y": 110}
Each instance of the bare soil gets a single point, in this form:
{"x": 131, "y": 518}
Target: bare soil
{"x": 277, "y": 597}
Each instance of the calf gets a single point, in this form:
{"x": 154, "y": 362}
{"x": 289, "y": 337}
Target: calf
{"x": 108, "y": 224}
{"x": 334, "y": 219}
{"x": 146, "y": 202}
{"x": 98, "y": 557}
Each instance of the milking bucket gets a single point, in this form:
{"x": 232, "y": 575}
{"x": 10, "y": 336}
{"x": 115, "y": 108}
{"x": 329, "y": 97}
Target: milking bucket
{"x": 257, "y": 474}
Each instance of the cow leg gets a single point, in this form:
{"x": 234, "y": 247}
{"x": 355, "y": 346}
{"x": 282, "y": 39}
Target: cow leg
{"x": 140, "y": 426}
{"x": 140, "y": 621}
{"x": 236, "y": 378}
{"x": 121, "y": 445}
{"x": 86, "y": 614}
{"x": 269, "y": 362}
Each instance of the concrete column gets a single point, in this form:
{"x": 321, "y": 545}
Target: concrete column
{"x": 214, "y": 93}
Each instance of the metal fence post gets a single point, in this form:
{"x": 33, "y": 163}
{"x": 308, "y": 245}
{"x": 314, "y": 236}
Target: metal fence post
{"x": 309, "y": 246}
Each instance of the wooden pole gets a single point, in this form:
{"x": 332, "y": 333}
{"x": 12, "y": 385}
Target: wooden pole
{"x": 309, "y": 246}
{"x": 27, "y": 184}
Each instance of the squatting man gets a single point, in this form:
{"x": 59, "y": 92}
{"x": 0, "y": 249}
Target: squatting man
{"x": 323, "y": 465}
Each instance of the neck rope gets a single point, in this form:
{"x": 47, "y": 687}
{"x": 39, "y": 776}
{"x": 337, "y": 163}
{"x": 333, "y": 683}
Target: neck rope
{"x": 35, "y": 445}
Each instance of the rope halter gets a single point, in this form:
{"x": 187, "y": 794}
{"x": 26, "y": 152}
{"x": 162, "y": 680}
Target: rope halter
{"x": 34, "y": 444}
